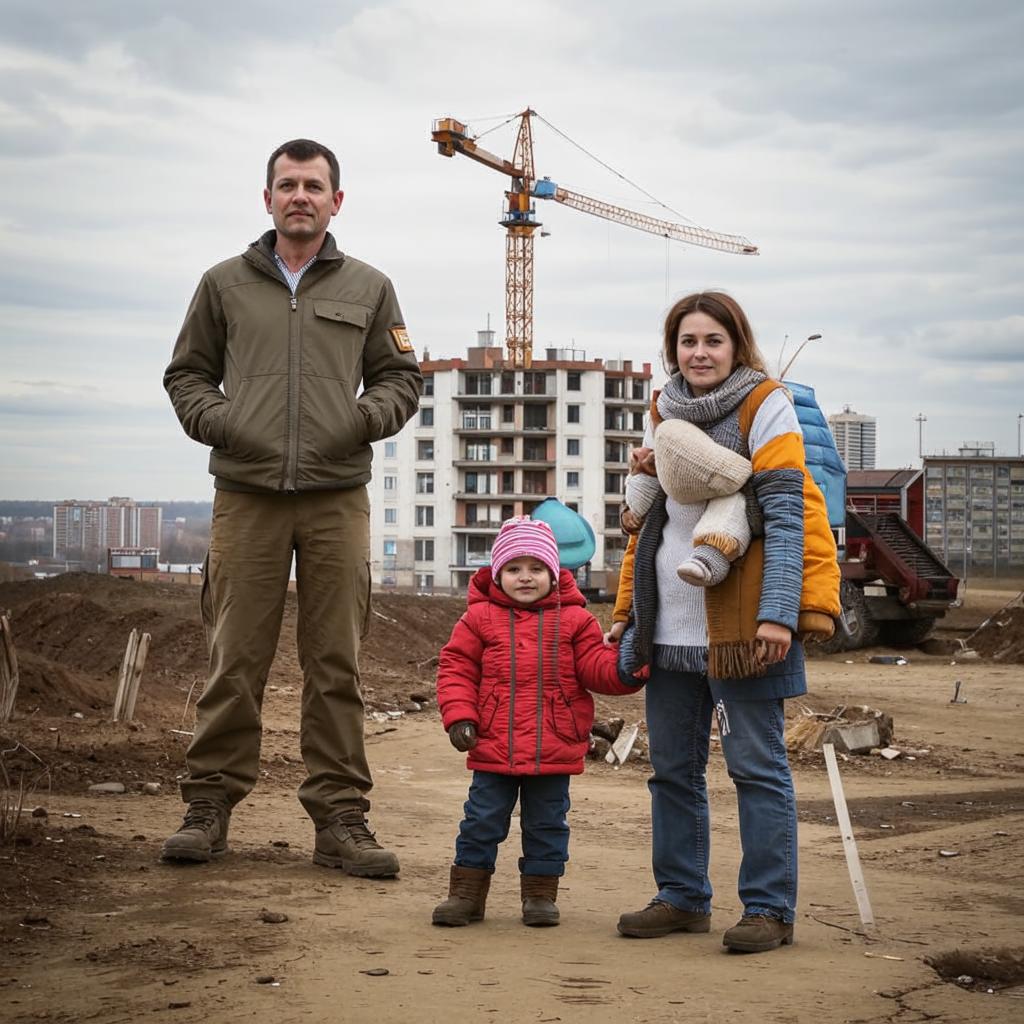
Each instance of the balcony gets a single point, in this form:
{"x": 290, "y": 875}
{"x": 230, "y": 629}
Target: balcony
{"x": 488, "y": 526}
{"x": 618, "y": 430}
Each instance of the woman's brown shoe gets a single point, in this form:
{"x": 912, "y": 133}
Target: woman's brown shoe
{"x": 659, "y": 918}
{"x": 757, "y": 933}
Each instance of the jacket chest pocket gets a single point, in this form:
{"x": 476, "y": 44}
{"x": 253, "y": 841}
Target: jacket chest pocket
{"x": 333, "y": 346}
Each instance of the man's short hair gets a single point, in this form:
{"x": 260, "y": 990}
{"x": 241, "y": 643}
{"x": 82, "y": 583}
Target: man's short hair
{"x": 302, "y": 150}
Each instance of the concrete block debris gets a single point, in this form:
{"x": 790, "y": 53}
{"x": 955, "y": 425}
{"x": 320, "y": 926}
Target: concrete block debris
{"x": 851, "y": 729}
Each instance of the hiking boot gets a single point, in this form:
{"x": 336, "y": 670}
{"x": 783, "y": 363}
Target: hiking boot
{"x": 467, "y": 897}
{"x": 659, "y": 918}
{"x": 757, "y": 933}
{"x": 539, "y": 893}
{"x": 203, "y": 835}
{"x": 347, "y": 843}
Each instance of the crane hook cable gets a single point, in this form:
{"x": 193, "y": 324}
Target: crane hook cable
{"x": 618, "y": 174}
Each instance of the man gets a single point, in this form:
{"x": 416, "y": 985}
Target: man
{"x": 266, "y": 371}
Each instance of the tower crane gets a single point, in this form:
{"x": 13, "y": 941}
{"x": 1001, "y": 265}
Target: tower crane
{"x": 520, "y": 222}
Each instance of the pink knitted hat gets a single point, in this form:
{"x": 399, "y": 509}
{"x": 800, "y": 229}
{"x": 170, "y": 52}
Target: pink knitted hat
{"x": 521, "y": 537}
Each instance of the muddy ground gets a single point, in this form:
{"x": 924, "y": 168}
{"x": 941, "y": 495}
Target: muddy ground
{"x": 94, "y": 928}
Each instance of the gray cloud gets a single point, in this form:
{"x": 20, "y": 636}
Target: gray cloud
{"x": 871, "y": 150}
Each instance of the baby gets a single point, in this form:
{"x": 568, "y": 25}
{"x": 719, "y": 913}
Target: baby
{"x": 691, "y": 468}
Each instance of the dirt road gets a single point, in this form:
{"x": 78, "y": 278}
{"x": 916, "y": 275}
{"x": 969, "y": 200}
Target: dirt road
{"x": 93, "y": 928}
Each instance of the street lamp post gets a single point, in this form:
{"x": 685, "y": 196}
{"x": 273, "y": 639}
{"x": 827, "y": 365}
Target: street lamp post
{"x": 921, "y": 420}
{"x": 1020, "y": 416}
{"x": 810, "y": 337}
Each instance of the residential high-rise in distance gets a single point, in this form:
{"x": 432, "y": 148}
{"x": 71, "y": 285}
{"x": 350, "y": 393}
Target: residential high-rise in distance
{"x": 855, "y": 438}
{"x": 96, "y": 526}
{"x": 974, "y": 509}
{"x": 491, "y": 441}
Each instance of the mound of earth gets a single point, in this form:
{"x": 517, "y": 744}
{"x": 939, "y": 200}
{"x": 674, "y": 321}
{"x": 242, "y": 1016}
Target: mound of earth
{"x": 70, "y": 634}
{"x": 1001, "y": 637}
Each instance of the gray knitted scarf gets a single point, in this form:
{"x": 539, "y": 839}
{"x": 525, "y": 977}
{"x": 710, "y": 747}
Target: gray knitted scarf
{"x": 677, "y": 402}
{"x": 711, "y": 412}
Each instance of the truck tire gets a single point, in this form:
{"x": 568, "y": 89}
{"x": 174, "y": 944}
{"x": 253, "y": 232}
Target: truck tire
{"x": 863, "y": 628}
{"x": 907, "y": 632}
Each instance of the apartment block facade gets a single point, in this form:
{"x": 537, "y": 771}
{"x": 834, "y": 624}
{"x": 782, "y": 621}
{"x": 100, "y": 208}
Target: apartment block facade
{"x": 974, "y": 510}
{"x": 490, "y": 442}
{"x": 855, "y": 438}
{"x": 96, "y": 526}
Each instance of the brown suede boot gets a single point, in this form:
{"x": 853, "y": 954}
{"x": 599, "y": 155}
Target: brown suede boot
{"x": 539, "y": 893}
{"x": 203, "y": 835}
{"x": 467, "y": 897}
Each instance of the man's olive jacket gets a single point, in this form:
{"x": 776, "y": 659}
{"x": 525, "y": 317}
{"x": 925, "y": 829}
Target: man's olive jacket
{"x": 270, "y": 381}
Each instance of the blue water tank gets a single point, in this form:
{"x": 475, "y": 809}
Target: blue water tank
{"x": 823, "y": 460}
{"x": 575, "y": 538}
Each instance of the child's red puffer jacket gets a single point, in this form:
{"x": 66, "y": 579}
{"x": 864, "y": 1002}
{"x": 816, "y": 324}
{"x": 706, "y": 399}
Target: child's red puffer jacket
{"x": 521, "y": 675}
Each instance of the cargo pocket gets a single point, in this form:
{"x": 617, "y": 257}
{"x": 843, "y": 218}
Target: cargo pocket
{"x": 206, "y": 602}
{"x": 365, "y": 628}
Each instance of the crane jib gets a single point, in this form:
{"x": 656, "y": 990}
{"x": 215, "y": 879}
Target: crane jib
{"x": 452, "y": 136}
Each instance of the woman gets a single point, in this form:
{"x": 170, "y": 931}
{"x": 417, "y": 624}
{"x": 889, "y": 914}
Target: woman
{"x": 731, "y": 648}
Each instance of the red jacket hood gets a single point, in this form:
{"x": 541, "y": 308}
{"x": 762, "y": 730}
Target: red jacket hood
{"x": 483, "y": 588}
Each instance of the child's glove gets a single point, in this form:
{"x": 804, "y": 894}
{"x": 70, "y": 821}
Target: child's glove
{"x": 631, "y": 671}
{"x": 462, "y": 735}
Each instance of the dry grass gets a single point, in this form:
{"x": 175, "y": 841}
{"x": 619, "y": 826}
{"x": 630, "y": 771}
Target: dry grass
{"x": 17, "y": 785}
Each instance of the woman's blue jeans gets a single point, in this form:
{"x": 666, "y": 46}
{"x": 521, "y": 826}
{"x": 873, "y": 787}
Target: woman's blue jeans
{"x": 543, "y": 806}
{"x": 679, "y": 710}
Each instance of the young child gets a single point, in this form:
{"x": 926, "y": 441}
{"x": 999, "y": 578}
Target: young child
{"x": 512, "y": 686}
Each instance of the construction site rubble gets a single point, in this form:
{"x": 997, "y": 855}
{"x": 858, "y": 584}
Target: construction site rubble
{"x": 851, "y": 729}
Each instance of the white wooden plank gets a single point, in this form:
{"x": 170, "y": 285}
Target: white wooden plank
{"x": 860, "y": 890}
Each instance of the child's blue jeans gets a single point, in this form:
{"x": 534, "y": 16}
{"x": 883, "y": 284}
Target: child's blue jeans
{"x": 543, "y": 806}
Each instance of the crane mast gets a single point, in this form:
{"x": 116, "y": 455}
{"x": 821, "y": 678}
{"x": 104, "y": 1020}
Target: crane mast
{"x": 520, "y": 222}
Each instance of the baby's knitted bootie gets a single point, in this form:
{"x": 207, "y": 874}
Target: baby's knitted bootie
{"x": 706, "y": 567}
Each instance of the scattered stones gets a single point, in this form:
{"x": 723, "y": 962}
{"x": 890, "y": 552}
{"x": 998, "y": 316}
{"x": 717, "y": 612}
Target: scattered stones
{"x": 107, "y": 787}
{"x": 35, "y": 919}
{"x": 420, "y": 698}
{"x": 376, "y": 972}
{"x": 180, "y": 1005}
{"x": 281, "y": 844}
{"x": 411, "y": 706}
{"x": 272, "y": 916}
{"x": 151, "y": 788}
{"x": 949, "y": 853}
{"x": 266, "y": 979}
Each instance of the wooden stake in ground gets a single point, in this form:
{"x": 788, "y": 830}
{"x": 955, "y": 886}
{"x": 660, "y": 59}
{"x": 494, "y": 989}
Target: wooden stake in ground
{"x": 849, "y": 843}
{"x": 8, "y": 669}
{"x": 130, "y": 676}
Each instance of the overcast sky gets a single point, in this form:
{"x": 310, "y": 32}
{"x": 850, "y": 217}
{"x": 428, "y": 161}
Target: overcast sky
{"x": 872, "y": 149}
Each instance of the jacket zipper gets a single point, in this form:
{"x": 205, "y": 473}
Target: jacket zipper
{"x": 294, "y": 364}
{"x": 512, "y": 685}
{"x": 540, "y": 682}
